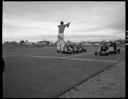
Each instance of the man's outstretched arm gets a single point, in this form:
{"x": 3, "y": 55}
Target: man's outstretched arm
{"x": 68, "y": 24}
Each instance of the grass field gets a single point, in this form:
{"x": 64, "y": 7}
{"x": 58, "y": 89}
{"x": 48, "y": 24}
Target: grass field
{"x": 43, "y": 73}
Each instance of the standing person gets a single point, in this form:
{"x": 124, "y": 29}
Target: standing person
{"x": 60, "y": 41}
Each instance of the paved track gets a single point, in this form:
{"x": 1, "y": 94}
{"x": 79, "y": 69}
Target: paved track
{"x": 34, "y": 73}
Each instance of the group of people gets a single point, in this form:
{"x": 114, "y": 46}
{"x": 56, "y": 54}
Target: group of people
{"x": 60, "y": 41}
{"x": 105, "y": 47}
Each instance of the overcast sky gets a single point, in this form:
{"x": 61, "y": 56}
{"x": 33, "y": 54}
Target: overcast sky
{"x": 90, "y": 21}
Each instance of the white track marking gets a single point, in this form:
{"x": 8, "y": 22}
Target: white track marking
{"x": 58, "y": 57}
{"x": 78, "y": 55}
{"x": 43, "y": 56}
{"x": 77, "y": 59}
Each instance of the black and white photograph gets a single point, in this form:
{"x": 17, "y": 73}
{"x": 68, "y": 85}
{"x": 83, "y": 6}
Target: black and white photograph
{"x": 63, "y": 49}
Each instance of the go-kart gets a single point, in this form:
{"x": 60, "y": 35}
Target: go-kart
{"x": 73, "y": 48}
{"x": 107, "y": 51}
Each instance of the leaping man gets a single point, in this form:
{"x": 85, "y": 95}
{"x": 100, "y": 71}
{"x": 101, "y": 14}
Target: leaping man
{"x": 60, "y": 41}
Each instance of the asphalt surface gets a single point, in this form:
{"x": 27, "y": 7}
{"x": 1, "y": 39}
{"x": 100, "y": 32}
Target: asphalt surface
{"x": 41, "y": 77}
{"x": 108, "y": 84}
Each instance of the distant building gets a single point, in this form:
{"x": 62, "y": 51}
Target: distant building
{"x": 43, "y": 42}
{"x": 96, "y": 44}
{"x": 86, "y": 43}
{"x": 28, "y": 43}
{"x": 51, "y": 43}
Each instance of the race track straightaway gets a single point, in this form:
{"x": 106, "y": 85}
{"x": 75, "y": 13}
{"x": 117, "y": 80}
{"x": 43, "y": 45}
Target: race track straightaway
{"x": 35, "y": 76}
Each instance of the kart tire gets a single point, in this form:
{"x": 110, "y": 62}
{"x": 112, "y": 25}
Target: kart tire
{"x": 95, "y": 53}
{"x": 119, "y": 51}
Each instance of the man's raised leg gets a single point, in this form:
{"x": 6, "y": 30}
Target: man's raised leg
{"x": 58, "y": 46}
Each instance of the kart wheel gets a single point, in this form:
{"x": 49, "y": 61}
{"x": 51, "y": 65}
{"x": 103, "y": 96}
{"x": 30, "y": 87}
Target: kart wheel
{"x": 119, "y": 51}
{"x": 95, "y": 53}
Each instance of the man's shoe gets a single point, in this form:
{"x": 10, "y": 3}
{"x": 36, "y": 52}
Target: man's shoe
{"x": 58, "y": 51}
